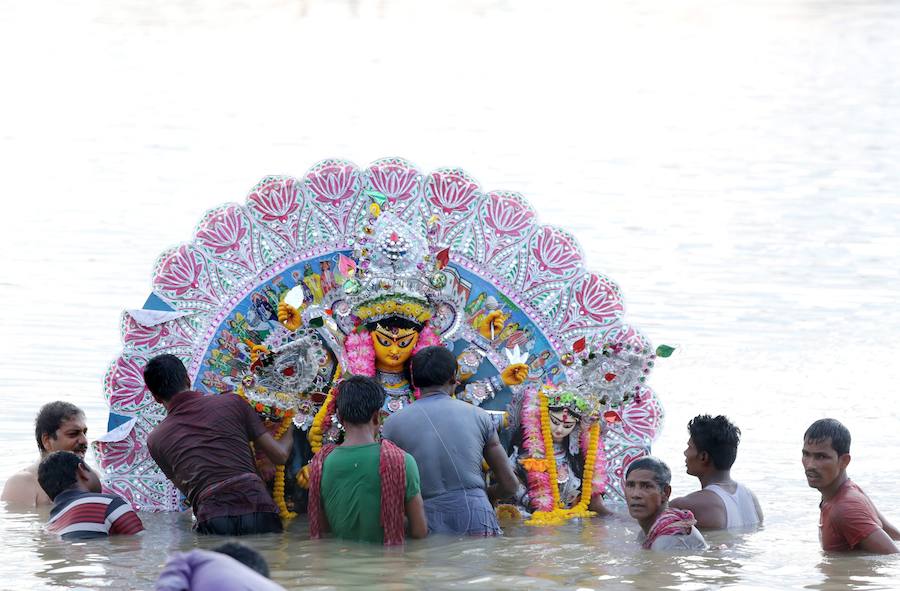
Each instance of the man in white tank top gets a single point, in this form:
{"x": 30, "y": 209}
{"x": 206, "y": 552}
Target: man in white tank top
{"x": 721, "y": 503}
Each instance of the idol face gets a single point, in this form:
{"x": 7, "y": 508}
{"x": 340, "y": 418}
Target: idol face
{"x": 562, "y": 423}
{"x": 393, "y": 347}
{"x": 71, "y": 436}
{"x": 822, "y": 464}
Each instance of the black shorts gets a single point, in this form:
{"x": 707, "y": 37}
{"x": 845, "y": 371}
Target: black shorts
{"x": 241, "y": 525}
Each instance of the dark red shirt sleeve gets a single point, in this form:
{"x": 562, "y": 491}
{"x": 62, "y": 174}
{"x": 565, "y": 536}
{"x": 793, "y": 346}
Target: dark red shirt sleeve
{"x": 122, "y": 520}
{"x": 855, "y": 521}
{"x": 252, "y": 423}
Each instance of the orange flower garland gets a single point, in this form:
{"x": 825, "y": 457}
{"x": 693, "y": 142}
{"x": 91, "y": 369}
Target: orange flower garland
{"x": 278, "y": 487}
{"x": 316, "y": 431}
{"x": 559, "y": 514}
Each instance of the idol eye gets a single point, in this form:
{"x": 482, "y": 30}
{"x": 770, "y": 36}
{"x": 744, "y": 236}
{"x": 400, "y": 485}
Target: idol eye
{"x": 405, "y": 343}
{"x": 384, "y": 342}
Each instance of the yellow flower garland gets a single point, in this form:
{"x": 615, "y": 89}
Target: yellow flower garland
{"x": 278, "y": 487}
{"x": 315, "y": 432}
{"x": 559, "y": 514}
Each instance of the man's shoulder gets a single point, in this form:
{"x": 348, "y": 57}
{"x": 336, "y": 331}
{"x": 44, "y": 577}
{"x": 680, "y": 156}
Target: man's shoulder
{"x": 690, "y": 541}
{"x": 702, "y": 497}
{"x": 86, "y": 496}
{"x": 852, "y": 499}
{"x": 24, "y": 476}
{"x": 21, "y": 487}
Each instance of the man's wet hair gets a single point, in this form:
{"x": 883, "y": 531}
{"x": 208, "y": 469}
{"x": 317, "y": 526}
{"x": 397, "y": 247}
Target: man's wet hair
{"x": 718, "y": 437}
{"x": 57, "y": 472}
{"x": 245, "y": 555}
{"x": 661, "y": 473}
{"x": 432, "y": 366}
{"x": 829, "y": 429}
{"x": 359, "y": 397}
{"x": 49, "y": 419}
{"x": 166, "y": 376}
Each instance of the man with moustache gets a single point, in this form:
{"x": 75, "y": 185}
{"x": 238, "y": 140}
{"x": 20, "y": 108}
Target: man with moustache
{"x": 647, "y": 490}
{"x": 59, "y": 426}
{"x": 849, "y": 520}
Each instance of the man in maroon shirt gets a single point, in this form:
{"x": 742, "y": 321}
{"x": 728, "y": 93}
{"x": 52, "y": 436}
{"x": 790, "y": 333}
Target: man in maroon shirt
{"x": 849, "y": 520}
{"x": 203, "y": 447}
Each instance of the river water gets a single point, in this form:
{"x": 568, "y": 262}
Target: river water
{"x": 732, "y": 164}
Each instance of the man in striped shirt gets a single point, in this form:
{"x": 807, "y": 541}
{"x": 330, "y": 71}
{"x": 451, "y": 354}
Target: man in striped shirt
{"x": 80, "y": 511}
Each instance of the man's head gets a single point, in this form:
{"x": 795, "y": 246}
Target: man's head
{"x": 60, "y": 426}
{"x": 826, "y": 452}
{"x": 62, "y": 470}
{"x": 358, "y": 401}
{"x": 245, "y": 555}
{"x": 166, "y": 376}
{"x": 433, "y": 367}
{"x": 647, "y": 487}
{"x": 712, "y": 444}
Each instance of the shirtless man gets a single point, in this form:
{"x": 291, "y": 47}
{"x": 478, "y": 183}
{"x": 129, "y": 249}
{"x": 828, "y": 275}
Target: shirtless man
{"x": 721, "y": 503}
{"x": 59, "y": 426}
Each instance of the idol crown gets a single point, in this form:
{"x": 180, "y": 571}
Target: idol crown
{"x": 396, "y": 272}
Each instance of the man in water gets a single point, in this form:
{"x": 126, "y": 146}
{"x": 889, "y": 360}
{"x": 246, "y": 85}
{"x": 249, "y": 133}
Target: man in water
{"x": 203, "y": 447}
{"x": 59, "y": 426}
{"x": 647, "y": 490}
{"x": 228, "y": 567}
{"x": 362, "y": 490}
{"x": 721, "y": 503}
{"x": 448, "y": 438}
{"x": 80, "y": 510}
{"x": 849, "y": 520}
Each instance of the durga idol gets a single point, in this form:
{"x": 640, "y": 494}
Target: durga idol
{"x": 397, "y": 296}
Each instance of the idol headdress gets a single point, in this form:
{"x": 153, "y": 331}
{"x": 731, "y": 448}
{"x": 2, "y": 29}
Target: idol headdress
{"x": 395, "y": 272}
{"x": 611, "y": 373}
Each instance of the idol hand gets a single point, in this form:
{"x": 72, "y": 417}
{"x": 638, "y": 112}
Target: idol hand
{"x": 303, "y": 477}
{"x": 514, "y": 374}
{"x": 289, "y": 316}
{"x": 256, "y": 351}
{"x": 492, "y": 324}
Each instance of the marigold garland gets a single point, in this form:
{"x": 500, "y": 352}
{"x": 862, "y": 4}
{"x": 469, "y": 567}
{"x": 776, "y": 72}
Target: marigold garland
{"x": 508, "y": 513}
{"x": 278, "y": 486}
{"x": 559, "y": 515}
{"x": 317, "y": 429}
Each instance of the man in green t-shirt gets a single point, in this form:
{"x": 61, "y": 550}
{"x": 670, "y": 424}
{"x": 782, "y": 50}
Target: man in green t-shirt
{"x": 347, "y": 493}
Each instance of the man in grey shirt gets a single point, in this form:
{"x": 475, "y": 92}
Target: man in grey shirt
{"x": 448, "y": 438}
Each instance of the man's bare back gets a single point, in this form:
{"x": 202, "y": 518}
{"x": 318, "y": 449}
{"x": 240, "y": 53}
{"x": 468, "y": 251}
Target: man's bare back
{"x": 23, "y": 491}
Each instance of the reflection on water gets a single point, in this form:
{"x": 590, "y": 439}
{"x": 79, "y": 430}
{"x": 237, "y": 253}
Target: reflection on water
{"x": 732, "y": 165}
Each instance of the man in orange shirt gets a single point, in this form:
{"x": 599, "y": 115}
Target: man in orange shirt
{"x": 849, "y": 520}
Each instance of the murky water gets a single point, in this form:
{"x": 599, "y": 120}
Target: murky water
{"x": 733, "y": 165}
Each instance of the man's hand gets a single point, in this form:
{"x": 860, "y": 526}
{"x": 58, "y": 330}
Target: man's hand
{"x": 289, "y": 316}
{"x": 277, "y": 450}
{"x": 492, "y": 324}
{"x": 506, "y": 481}
{"x": 514, "y": 374}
